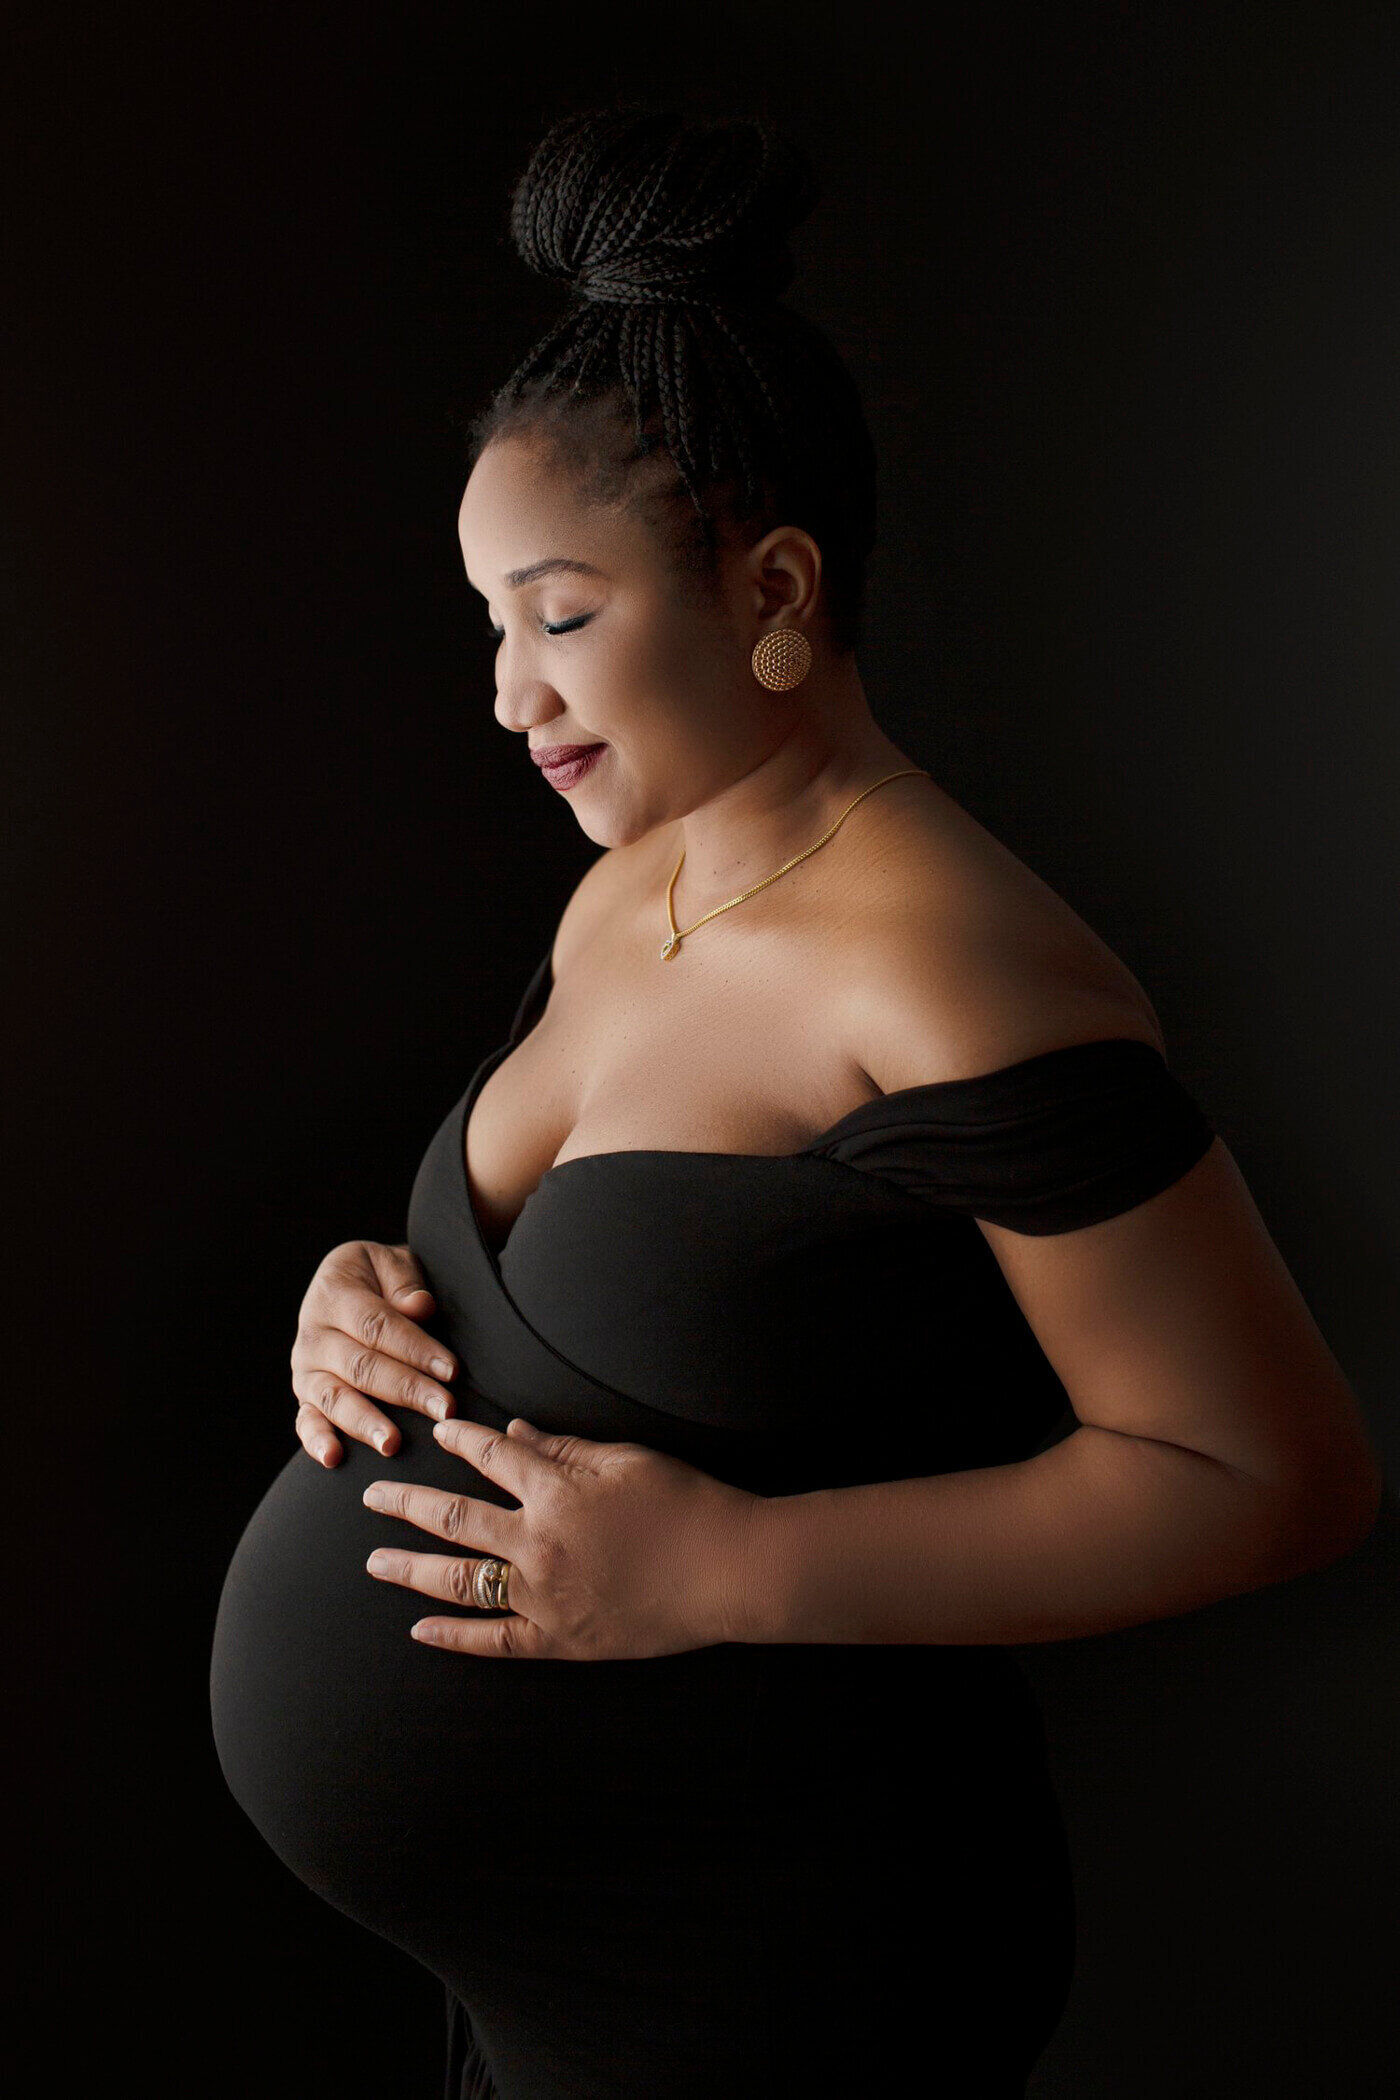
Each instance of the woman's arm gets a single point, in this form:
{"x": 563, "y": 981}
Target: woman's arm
{"x": 1220, "y": 1449}
{"x": 1099, "y": 1532}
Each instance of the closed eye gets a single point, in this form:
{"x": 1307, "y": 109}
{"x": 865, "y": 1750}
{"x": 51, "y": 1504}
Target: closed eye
{"x": 559, "y": 626}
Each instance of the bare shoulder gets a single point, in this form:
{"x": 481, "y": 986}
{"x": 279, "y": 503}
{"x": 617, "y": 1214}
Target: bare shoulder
{"x": 970, "y": 961}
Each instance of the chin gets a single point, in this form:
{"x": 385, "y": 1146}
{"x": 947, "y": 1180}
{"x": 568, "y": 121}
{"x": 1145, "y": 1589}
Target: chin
{"x": 612, "y": 827}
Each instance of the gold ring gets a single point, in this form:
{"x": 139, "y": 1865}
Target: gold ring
{"x": 491, "y": 1585}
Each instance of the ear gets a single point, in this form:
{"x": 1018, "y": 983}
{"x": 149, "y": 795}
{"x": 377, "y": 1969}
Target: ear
{"x": 784, "y": 575}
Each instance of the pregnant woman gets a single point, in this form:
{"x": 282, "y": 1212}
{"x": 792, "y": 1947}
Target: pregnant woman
{"x": 829, "y": 1160}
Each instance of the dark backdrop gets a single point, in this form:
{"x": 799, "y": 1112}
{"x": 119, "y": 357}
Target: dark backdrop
{"x": 1120, "y": 286}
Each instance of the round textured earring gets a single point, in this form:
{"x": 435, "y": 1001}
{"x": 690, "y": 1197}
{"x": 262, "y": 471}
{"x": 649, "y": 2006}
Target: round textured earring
{"x": 782, "y": 659}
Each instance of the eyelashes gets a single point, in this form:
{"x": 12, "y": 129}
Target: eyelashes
{"x": 497, "y": 634}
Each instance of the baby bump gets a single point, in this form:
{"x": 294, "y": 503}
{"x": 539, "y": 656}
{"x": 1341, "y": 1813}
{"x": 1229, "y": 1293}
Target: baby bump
{"x": 396, "y": 1779}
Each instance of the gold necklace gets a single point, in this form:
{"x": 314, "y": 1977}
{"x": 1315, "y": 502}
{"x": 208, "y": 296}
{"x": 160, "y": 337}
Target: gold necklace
{"x": 672, "y": 946}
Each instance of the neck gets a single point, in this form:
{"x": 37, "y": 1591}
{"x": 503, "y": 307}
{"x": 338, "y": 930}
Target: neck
{"x": 831, "y": 750}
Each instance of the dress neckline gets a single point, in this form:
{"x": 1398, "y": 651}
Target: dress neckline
{"x": 980, "y": 1090}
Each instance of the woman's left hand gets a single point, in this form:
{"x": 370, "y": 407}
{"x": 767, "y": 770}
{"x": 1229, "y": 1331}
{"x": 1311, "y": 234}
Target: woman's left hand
{"x": 616, "y": 1550}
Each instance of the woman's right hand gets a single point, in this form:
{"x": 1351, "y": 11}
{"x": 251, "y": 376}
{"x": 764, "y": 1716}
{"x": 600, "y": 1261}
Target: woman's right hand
{"x": 357, "y": 1336}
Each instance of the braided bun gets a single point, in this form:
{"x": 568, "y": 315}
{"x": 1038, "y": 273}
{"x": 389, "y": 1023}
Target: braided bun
{"x": 638, "y": 208}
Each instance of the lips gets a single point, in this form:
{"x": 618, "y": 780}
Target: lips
{"x": 565, "y": 773}
{"x": 560, "y": 754}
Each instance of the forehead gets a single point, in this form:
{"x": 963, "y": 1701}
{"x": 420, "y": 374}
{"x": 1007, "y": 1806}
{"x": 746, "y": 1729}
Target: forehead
{"x": 520, "y": 506}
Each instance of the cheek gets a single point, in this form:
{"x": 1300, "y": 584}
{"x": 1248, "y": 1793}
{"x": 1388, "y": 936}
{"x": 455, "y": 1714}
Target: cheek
{"x": 642, "y": 682}
{"x": 655, "y": 678}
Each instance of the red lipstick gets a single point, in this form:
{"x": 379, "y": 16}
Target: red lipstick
{"x": 564, "y": 765}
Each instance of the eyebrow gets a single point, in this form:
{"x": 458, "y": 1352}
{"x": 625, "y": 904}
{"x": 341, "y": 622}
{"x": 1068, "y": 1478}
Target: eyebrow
{"x": 553, "y": 565}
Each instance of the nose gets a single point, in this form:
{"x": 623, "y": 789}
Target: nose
{"x": 526, "y": 703}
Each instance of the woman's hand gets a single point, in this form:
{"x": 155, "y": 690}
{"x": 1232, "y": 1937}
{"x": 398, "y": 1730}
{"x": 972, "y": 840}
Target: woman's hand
{"x": 356, "y": 1335}
{"x": 616, "y": 1550}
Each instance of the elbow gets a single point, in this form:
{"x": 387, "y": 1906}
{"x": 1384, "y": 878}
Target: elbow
{"x": 1363, "y": 1510}
{"x": 1322, "y": 1526}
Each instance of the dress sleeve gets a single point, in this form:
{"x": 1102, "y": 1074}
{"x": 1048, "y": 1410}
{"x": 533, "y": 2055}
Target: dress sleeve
{"x": 1056, "y": 1141}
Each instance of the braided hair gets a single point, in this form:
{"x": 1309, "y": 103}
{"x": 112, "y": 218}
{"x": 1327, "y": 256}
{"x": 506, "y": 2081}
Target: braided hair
{"x": 672, "y": 238}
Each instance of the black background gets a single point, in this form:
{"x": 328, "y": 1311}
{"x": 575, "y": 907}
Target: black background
{"x": 1120, "y": 287}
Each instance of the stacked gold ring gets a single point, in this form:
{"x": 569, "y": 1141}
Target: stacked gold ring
{"x": 490, "y": 1583}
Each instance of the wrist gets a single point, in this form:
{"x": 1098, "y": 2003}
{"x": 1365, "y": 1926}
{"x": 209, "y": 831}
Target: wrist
{"x": 732, "y": 1615}
{"x": 755, "y": 1611}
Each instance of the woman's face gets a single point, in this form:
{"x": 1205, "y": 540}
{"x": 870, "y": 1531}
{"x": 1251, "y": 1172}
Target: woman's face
{"x": 599, "y": 643}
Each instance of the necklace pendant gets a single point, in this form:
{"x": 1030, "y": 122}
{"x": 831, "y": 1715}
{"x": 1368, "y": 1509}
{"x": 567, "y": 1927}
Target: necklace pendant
{"x": 669, "y": 947}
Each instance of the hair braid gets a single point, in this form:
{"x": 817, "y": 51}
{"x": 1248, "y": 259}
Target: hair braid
{"x": 753, "y": 368}
{"x": 687, "y": 400}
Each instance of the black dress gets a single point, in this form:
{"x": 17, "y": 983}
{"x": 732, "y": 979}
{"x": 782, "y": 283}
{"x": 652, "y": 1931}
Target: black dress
{"x": 746, "y": 1871}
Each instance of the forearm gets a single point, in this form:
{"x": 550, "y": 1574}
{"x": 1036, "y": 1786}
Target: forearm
{"x": 1101, "y": 1531}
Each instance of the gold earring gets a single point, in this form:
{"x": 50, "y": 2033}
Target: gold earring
{"x": 782, "y": 659}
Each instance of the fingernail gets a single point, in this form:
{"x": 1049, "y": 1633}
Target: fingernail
{"x": 441, "y": 1367}
{"x": 381, "y": 1440}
